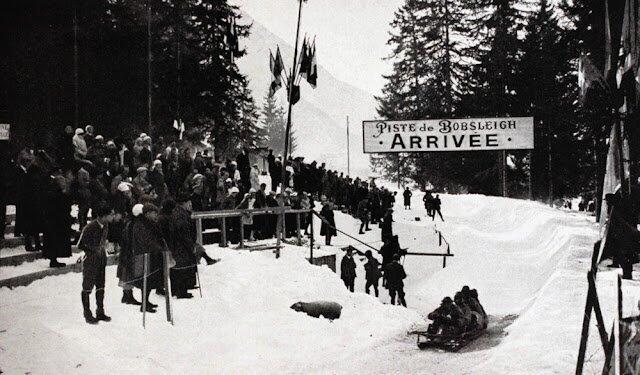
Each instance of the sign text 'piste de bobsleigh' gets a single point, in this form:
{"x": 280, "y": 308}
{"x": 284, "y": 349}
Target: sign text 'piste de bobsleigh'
{"x": 508, "y": 133}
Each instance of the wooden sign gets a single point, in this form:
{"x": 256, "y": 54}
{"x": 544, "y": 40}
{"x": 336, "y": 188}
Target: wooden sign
{"x": 472, "y": 134}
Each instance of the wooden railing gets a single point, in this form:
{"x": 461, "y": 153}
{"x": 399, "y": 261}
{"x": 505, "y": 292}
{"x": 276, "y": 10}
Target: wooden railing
{"x": 223, "y": 215}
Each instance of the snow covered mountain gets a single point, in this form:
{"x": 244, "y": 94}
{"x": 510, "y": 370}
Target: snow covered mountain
{"x": 319, "y": 118}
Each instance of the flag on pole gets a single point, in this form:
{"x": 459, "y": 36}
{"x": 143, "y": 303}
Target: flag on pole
{"x": 179, "y": 126}
{"x": 277, "y": 66}
{"x": 607, "y": 46}
{"x": 312, "y": 77}
{"x": 588, "y": 74}
{"x": 295, "y": 95}
{"x": 627, "y": 42}
{"x": 305, "y": 59}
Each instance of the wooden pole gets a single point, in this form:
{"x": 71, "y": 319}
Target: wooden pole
{"x": 348, "y": 151}
{"x": 199, "y": 231}
{"x": 148, "y": 67}
{"x": 223, "y": 234}
{"x": 278, "y": 229}
{"x": 550, "y": 162}
{"x": 298, "y": 229}
{"x": 241, "y": 234}
{"x": 167, "y": 286}
{"x": 530, "y": 175}
{"x": 311, "y": 239}
{"x": 618, "y": 342}
{"x": 285, "y": 156}
{"x": 504, "y": 173}
{"x": 144, "y": 289}
{"x": 76, "y": 114}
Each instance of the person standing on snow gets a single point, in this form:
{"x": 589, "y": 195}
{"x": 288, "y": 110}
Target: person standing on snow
{"x": 394, "y": 274}
{"x": 348, "y": 270}
{"x": 407, "y": 198}
{"x": 372, "y": 273}
{"x": 436, "y": 208}
{"x": 328, "y": 227}
{"x": 93, "y": 241}
{"x": 363, "y": 215}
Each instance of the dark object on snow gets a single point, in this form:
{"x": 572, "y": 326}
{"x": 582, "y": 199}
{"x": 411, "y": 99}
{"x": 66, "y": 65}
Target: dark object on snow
{"x": 417, "y": 218}
{"x": 316, "y": 309}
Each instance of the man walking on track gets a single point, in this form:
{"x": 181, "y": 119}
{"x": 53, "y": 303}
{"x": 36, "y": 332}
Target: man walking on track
{"x": 394, "y": 274}
{"x": 348, "y": 270}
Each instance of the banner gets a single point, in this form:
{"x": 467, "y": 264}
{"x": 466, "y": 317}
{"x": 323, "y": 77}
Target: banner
{"x": 4, "y": 132}
{"x": 472, "y": 134}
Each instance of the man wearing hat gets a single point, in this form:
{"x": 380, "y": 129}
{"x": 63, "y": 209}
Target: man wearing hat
{"x": 93, "y": 241}
{"x": 79, "y": 145}
{"x": 394, "y": 275}
{"x": 140, "y": 184}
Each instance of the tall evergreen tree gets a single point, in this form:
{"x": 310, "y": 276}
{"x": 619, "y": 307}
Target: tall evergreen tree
{"x": 273, "y": 118}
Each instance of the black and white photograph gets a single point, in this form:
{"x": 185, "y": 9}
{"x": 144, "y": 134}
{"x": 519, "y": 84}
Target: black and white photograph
{"x": 320, "y": 187}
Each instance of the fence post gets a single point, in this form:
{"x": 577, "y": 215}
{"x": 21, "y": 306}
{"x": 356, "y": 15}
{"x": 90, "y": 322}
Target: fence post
{"x": 241, "y": 234}
{"x": 223, "y": 237}
{"x": 199, "y": 231}
{"x": 439, "y": 238}
{"x": 312, "y": 238}
{"x": 298, "y": 229}
{"x": 278, "y": 233}
{"x": 283, "y": 230}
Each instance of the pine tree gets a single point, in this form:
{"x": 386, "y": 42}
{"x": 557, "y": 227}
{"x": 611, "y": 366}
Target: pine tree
{"x": 274, "y": 126}
{"x": 548, "y": 91}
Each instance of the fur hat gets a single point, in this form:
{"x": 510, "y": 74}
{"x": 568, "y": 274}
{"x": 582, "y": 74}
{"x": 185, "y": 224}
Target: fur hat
{"x": 137, "y": 210}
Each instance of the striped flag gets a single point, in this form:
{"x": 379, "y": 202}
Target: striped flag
{"x": 276, "y": 66}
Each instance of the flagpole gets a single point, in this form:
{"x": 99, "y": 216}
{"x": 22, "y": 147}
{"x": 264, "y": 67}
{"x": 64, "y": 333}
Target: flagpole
{"x": 348, "y": 151}
{"x": 148, "y": 67}
{"x": 290, "y": 83}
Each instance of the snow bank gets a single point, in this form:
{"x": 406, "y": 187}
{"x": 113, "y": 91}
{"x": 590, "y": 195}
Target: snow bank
{"x": 242, "y": 324}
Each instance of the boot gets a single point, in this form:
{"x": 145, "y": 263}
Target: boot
{"x": 53, "y": 263}
{"x": 100, "y": 315}
{"x": 128, "y": 298}
{"x": 88, "y": 316}
{"x": 150, "y": 306}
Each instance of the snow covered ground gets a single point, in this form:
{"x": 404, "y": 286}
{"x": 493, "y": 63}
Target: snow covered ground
{"x": 528, "y": 262}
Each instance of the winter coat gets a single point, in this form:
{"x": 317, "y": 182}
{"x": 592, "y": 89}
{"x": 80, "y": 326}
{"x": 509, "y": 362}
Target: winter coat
{"x": 255, "y": 179}
{"x": 147, "y": 239}
{"x": 347, "y": 268}
{"x": 180, "y": 235}
{"x": 57, "y": 220}
{"x": 407, "y": 197}
{"x": 372, "y": 270}
{"x": 326, "y": 229}
{"x": 363, "y": 210}
{"x": 35, "y": 186}
{"x": 20, "y": 199}
{"x": 394, "y": 274}
{"x": 80, "y": 147}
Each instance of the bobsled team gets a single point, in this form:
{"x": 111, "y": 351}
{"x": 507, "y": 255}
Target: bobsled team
{"x": 461, "y": 315}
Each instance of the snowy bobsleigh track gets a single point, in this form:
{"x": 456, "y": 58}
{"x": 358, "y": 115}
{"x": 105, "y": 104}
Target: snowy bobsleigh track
{"x": 526, "y": 260}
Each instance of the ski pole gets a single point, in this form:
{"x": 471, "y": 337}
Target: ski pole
{"x": 199, "y": 284}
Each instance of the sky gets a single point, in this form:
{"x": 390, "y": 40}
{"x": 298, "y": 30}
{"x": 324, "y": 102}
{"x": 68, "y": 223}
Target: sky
{"x": 351, "y": 35}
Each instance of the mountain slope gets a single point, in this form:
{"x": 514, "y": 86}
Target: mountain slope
{"x": 319, "y": 119}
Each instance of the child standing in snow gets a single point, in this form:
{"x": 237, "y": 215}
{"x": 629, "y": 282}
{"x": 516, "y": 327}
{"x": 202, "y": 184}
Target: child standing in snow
{"x": 93, "y": 241}
{"x": 372, "y": 273}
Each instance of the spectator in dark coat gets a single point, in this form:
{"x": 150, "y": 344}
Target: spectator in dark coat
{"x": 179, "y": 233}
{"x": 436, "y": 208}
{"x": 36, "y": 182}
{"x": 394, "y": 274}
{"x": 372, "y": 273}
{"x": 363, "y": 215}
{"x": 407, "y": 198}
{"x": 17, "y": 190}
{"x": 244, "y": 166}
{"x": 147, "y": 239}
{"x": 348, "y": 270}
{"x": 387, "y": 224}
{"x": 327, "y": 228}
{"x": 57, "y": 228}
{"x": 126, "y": 260}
